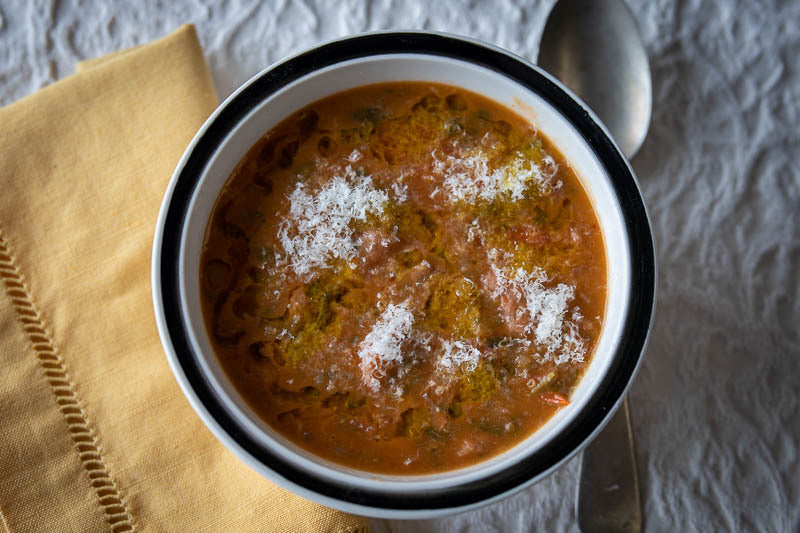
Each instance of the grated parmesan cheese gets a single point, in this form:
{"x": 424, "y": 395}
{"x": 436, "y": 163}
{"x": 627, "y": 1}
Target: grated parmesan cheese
{"x": 381, "y": 346}
{"x": 459, "y": 354}
{"x": 544, "y": 309}
{"x": 317, "y": 228}
{"x": 467, "y": 178}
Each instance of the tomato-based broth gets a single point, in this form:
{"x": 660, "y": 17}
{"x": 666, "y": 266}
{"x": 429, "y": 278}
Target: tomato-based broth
{"x": 404, "y": 278}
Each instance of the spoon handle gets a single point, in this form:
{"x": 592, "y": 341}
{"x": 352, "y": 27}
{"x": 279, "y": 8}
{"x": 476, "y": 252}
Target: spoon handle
{"x": 608, "y": 493}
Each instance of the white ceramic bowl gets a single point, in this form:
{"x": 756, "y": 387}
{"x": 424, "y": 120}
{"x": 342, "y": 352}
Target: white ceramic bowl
{"x": 278, "y": 91}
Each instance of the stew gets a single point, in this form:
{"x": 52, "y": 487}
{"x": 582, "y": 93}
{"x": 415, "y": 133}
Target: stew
{"x": 404, "y": 278}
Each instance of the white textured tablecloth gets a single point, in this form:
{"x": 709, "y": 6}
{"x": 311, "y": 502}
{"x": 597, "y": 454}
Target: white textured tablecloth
{"x": 715, "y": 405}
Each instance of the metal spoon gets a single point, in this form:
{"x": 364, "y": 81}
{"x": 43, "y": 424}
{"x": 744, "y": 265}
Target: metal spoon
{"x": 594, "y": 48}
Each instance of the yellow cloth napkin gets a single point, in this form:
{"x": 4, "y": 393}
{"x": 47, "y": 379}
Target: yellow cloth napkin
{"x": 96, "y": 435}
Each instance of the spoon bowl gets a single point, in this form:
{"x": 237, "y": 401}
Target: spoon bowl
{"x": 594, "y": 48}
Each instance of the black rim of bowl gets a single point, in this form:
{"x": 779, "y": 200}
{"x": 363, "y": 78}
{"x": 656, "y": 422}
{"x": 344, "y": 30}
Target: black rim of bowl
{"x": 641, "y": 299}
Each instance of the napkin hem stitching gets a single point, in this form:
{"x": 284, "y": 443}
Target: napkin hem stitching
{"x": 55, "y": 372}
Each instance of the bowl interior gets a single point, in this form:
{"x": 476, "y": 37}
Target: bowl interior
{"x": 404, "y": 67}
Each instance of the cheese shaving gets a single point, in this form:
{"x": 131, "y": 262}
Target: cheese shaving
{"x": 381, "y": 346}
{"x": 400, "y": 192}
{"x": 318, "y": 230}
{"x": 354, "y": 156}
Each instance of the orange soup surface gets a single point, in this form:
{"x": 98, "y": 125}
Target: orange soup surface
{"x": 404, "y": 278}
